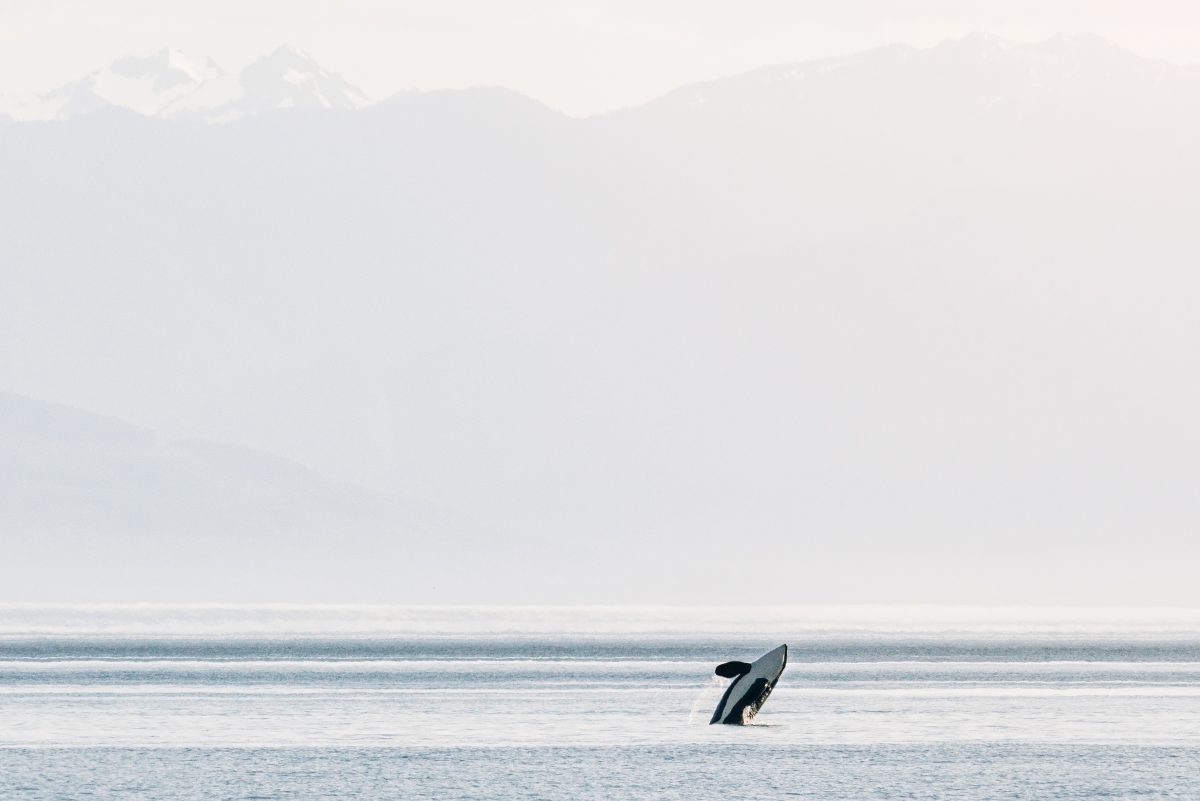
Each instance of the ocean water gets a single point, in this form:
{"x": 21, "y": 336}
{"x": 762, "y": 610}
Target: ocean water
{"x": 286, "y": 702}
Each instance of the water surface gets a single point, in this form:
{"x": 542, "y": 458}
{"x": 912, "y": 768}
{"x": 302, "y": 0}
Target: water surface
{"x": 336, "y": 702}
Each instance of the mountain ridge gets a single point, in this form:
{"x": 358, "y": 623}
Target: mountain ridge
{"x": 994, "y": 62}
{"x": 287, "y": 77}
{"x": 173, "y": 85}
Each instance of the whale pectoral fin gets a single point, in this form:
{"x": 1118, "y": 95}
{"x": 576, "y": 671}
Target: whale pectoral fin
{"x": 731, "y": 670}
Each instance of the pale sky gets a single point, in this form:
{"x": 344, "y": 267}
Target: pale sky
{"x": 580, "y": 57}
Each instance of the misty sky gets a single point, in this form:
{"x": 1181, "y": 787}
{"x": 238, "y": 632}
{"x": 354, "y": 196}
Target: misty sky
{"x": 580, "y": 57}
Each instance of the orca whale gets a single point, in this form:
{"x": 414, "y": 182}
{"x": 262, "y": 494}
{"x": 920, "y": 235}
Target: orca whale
{"x": 752, "y": 683}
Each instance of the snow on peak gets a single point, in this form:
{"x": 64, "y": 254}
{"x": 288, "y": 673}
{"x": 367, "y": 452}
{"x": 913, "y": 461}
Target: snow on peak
{"x": 289, "y": 56}
{"x": 167, "y": 68}
{"x": 145, "y": 84}
{"x": 290, "y": 74}
{"x": 286, "y": 78}
{"x": 170, "y": 83}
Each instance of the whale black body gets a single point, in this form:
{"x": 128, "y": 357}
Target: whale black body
{"x": 751, "y": 685}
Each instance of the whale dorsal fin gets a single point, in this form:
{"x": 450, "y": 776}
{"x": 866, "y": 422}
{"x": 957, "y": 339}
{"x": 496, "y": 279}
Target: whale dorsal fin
{"x": 731, "y": 670}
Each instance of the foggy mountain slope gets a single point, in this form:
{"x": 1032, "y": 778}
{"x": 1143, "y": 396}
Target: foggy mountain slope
{"x": 895, "y": 128}
{"x": 110, "y": 511}
{"x": 922, "y": 301}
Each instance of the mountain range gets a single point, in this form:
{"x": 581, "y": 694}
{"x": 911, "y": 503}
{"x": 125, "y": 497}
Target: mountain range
{"x": 910, "y": 325}
{"x": 173, "y": 85}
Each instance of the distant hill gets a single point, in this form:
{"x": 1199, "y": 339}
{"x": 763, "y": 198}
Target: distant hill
{"x": 97, "y": 508}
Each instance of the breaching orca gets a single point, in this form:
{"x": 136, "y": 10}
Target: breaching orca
{"x": 751, "y": 685}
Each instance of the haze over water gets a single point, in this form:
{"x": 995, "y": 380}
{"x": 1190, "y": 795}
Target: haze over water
{"x": 473, "y": 702}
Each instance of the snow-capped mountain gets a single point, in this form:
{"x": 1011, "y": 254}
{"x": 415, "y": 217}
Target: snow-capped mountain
{"x": 174, "y": 85}
{"x": 285, "y": 78}
{"x": 144, "y": 84}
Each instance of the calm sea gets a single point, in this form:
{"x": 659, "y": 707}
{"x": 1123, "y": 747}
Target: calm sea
{"x": 289, "y": 702}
